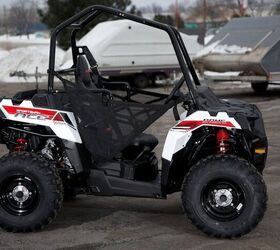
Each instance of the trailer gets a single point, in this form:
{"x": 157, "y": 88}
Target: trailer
{"x": 249, "y": 47}
{"x": 133, "y": 52}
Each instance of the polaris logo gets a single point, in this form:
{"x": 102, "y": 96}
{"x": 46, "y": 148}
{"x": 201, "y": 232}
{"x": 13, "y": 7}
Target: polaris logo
{"x": 33, "y": 116}
{"x": 213, "y": 120}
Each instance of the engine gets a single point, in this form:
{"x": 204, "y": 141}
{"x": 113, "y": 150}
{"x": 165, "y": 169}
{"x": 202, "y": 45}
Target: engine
{"x": 25, "y": 139}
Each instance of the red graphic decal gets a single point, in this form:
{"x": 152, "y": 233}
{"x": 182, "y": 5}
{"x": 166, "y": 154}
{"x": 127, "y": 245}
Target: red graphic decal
{"x": 30, "y": 112}
{"x": 58, "y": 118}
{"x": 190, "y": 125}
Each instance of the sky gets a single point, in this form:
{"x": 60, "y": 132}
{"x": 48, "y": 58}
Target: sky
{"x": 162, "y": 3}
{"x": 139, "y": 3}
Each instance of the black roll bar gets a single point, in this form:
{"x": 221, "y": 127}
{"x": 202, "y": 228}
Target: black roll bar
{"x": 92, "y": 12}
{"x": 187, "y": 57}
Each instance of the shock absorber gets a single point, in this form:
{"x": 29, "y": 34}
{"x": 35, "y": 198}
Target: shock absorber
{"x": 21, "y": 144}
{"x": 223, "y": 145}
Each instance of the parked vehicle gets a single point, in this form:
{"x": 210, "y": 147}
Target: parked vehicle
{"x": 88, "y": 138}
{"x": 249, "y": 46}
{"x": 130, "y": 51}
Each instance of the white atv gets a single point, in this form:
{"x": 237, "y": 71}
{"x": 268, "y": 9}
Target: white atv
{"x": 88, "y": 138}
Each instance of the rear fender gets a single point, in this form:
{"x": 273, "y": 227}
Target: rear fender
{"x": 62, "y": 123}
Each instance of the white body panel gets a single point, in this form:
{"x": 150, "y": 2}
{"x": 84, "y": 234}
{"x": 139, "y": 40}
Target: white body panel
{"x": 177, "y": 137}
{"x": 175, "y": 141}
{"x": 180, "y": 134}
{"x": 27, "y": 113}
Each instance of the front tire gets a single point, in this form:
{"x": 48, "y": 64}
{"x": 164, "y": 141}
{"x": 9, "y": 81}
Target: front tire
{"x": 31, "y": 192}
{"x": 224, "y": 196}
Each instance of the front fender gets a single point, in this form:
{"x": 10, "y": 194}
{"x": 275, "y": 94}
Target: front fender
{"x": 179, "y": 135}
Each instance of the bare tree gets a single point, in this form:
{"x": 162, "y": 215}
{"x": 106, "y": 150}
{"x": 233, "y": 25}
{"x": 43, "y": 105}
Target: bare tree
{"x": 157, "y": 9}
{"x": 258, "y": 7}
{"x": 4, "y": 20}
{"x": 23, "y": 13}
{"x": 146, "y": 9}
{"x": 210, "y": 10}
{"x": 160, "y": 17}
{"x": 182, "y": 7}
{"x": 277, "y": 9}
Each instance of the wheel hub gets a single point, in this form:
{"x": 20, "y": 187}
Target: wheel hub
{"x": 223, "y": 197}
{"x": 20, "y": 193}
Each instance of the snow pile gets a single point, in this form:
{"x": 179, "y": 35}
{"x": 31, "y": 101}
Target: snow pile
{"x": 216, "y": 48}
{"x": 32, "y": 38}
{"x": 230, "y": 49}
{"x": 208, "y": 38}
{"x": 26, "y": 59}
{"x": 3, "y": 54}
{"x": 213, "y": 73}
{"x": 207, "y": 50}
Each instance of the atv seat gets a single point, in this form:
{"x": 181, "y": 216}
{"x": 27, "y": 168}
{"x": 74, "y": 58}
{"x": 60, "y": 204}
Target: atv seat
{"x": 83, "y": 73}
{"x": 147, "y": 140}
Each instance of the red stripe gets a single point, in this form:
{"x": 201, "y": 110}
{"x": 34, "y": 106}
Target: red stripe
{"x": 194, "y": 124}
{"x": 12, "y": 110}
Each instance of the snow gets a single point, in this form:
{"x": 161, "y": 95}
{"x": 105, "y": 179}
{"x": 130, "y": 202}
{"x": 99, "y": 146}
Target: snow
{"x": 208, "y": 38}
{"x": 231, "y": 73}
{"x": 3, "y": 54}
{"x": 216, "y": 48}
{"x": 24, "y": 39}
{"x": 207, "y": 50}
{"x": 22, "y": 53}
{"x": 230, "y": 49}
{"x": 26, "y": 59}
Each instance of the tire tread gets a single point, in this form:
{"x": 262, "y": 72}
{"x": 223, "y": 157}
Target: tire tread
{"x": 251, "y": 173}
{"x": 50, "y": 172}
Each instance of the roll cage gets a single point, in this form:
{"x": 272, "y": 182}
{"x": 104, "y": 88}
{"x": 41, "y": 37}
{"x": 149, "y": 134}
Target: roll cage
{"x": 80, "y": 20}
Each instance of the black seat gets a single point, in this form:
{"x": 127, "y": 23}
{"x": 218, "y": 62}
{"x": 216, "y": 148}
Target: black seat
{"x": 83, "y": 73}
{"x": 147, "y": 140}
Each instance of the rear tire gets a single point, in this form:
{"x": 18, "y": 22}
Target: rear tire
{"x": 224, "y": 196}
{"x": 141, "y": 81}
{"x": 259, "y": 88}
{"x": 31, "y": 192}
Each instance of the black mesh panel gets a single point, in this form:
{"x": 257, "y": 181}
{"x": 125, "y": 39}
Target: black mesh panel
{"x": 107, "y": 127}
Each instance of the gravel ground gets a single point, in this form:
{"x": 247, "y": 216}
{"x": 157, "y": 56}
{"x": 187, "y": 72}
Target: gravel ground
{"x": 128, "y": 223}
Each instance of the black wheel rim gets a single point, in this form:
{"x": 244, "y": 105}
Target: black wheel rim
{"x": 223, "y": 200}
{"x": 19, "y": 195}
